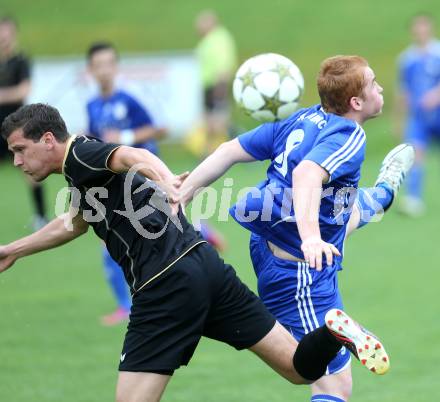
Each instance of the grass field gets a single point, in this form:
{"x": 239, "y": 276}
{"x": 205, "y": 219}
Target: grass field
{"x": 52, "y": 347}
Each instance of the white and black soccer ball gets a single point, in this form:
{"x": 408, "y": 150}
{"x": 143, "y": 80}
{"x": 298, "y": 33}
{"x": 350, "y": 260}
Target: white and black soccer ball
{"x": 268, "y": 87}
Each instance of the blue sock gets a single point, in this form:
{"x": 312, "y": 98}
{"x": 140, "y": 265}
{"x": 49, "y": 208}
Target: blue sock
{"x": 116, "y": 280}
{"x": 373, "y": 202}
{"x": 325, "y": 398}
{"x": 414, "y": 181}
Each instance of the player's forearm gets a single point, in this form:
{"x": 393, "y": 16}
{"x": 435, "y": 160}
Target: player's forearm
{"x": 213, "y": 167}
{"x": 307, "y": 190}
{"x": 16, "y": 93}
{"x": 400, "y": 109}
{"x": 147, "y": 133}
{"x": 52, "y": 235}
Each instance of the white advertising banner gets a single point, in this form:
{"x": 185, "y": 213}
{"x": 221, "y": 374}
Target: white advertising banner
{"x": 168, "y": 85}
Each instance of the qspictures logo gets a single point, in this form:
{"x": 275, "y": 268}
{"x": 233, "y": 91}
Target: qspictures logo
{"x": 271, "y": 204}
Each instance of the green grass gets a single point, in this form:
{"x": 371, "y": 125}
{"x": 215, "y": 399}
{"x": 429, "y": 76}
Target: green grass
{"x": 52, "y": 347}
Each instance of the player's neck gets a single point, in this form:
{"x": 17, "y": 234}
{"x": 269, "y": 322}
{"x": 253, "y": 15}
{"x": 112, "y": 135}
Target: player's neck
{"x": 107, "y": 90}
{"x": 423, "y": 45}
{"x": 7, "y": 53}
{"x": 355, "y": 116}
{"x": 59, "y": 155}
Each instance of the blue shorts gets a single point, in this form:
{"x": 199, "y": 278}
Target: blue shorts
{"x": 297, "y": 296}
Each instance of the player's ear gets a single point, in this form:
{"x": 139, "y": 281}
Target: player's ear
{"x": 49, "y": 139}
{"x": 356, "y": 103}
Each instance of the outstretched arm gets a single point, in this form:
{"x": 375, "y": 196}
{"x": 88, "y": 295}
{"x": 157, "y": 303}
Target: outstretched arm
{"x": 54, "y": 234}
{"x": 214, "y": 166}
{"x": 16, "y": 93}
{"x": 307, "y": 179}
{"x": 135, "y": 136}
{"x": 399, "y": 111}
{"x": 431, "y": 99}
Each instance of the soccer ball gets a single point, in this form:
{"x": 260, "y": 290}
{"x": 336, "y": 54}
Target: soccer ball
{"x": 268, "y": 87}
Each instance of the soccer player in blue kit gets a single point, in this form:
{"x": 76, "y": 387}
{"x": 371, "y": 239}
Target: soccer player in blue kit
{"x": 301, "y": 211}
{"x": 419, "y": 98}
{"x": 116, "y": 116}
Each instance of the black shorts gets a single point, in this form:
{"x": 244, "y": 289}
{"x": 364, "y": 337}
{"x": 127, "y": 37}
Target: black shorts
{"x": 198, "y": 296}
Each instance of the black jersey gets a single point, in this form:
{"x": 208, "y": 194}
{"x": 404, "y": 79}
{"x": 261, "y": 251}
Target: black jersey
{"x": 129, "y": 212}
{"x": 13, "y": 71}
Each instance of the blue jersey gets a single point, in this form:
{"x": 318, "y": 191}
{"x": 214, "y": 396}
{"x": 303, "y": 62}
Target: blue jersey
{"x": 419, "y": 71}
{"x": 120, "y": 111}
{"x": 333, "y": 142}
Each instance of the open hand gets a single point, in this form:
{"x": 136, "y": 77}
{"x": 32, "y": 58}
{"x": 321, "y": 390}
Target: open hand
{"x": 6, "y": 259}
{"x": 179, "y": 179}
{"x": 431, "y": 99}
{"x": 313, "y": 249}
{"x": 171, "y": 188}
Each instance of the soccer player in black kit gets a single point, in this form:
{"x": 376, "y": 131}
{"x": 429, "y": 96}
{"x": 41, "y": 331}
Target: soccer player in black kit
{"x": 182, "y": 290}
{"x": 15, "y": 85}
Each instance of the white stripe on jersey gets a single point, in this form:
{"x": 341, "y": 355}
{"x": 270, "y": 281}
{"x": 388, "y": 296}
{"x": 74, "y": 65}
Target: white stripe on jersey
{"x": 348, "y": 157}
{"x": 333, "y": 160}
{"x": 343, "y": 148}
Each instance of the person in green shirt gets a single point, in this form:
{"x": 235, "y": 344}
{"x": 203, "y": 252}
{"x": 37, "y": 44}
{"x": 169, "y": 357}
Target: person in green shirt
{"x": 217, "y": 56}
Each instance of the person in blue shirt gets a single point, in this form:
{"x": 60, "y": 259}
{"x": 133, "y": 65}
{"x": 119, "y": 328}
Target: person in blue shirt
{"x": 419, "y": 101}
{"x": 116, "y": 116}
{"x": 300, "y": 215}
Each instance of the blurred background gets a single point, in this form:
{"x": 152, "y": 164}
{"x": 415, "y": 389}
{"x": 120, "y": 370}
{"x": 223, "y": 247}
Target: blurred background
{"x": 52, "y": 345}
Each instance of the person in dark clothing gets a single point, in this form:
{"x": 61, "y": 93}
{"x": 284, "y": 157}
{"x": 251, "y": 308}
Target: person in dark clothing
{"x": 15, "y": 85}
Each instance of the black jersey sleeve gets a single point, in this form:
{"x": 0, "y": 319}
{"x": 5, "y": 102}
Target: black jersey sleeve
{"x": 87, "y": 162}
{"x": 23, "y": 69}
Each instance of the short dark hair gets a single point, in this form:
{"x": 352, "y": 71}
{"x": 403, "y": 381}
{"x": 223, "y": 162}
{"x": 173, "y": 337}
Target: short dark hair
{"x": 35, "y": 120}
{"x": 99, "y": 46}
{"x": 8, "y": 19}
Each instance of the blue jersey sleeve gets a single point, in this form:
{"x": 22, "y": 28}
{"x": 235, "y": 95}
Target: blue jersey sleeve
{"x": 340, "y": 153}
{"x": 139, "y": 115}
{"x": 259, "y": 141}
{"x": 402, "y": 74}
{"x": 91, "y": 130}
